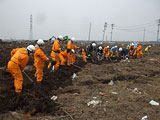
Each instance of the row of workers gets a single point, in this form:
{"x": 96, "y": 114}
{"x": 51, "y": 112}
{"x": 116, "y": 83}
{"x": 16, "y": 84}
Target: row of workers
{"x": 20, "y": 57}
{"x": 132, "y": 51}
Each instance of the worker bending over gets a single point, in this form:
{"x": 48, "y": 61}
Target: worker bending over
{"x": 17, "y": 63}
{"x": 39, "y": 60}
{"x": 99, "y": 53}
{"x": 106, "y": 52}
{"x": 56, "y": 48}
{"x": 71, "y": 54}
{"x": 147, "y": 49}
{"x": 131, "y": 50}
{"x": 90, "y": 51}
{"x": 84, "y": 55}
{"x": 138, "y": 52}
{"x": 63, "y": 56}
{"x": 114, "y": 51}
{"x": 123, "y": 53}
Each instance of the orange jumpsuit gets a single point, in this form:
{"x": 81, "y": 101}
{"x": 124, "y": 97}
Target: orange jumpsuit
{"x": 39, "y": 60}
{"x": 106, "y": 52}
{"x": 14, "y": 51}
{"x": 16, "y": 65}
{"x": 84, "y": 56}
{"x": 63, "y": 56}
{"x": 138, "y": 52}
{"x": 71, "y": 56}
{"x": 131, "y": 49}
{"x": 55, "y": 54}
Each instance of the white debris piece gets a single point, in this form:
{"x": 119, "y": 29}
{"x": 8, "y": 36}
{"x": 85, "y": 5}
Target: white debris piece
{"x": 144, "y": 118}
{"x": 115, "y": 93}
{"x": 135, "y": 89}
{"x": 111, "y": 82}
{"x": 54, "y": 97}
{"x": 74, "y": 76}
{"x": 94, "y": 97}
{"x": 152, "y": 102}
{"x": 94, "y": 102}
{"x": 53, "y": 67}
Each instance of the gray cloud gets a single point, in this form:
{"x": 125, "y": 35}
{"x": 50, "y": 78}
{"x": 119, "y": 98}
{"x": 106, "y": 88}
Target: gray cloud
{"x": 72, "y": 17}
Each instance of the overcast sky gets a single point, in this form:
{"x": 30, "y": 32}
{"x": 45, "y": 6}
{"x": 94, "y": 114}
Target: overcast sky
{"x": 73, "y": 17}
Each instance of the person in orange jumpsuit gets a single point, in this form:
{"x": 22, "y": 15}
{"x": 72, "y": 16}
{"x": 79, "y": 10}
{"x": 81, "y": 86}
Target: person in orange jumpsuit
{"x": 131, "y": 49}
{"x": 55, "y": 54}
{"x": 63, "y": 56}
{"x": 14, "y": 51}
{"x": 16, "y": 65}
{"x": 70, "y": 55}
{"x": 39, "y": 60}
{"x": 106, "y": 52}
{"x": 84, "y": 55}
{"x": 138, "y": 52}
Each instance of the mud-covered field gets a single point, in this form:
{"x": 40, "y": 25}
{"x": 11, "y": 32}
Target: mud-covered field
{"x": 135, "y": 84}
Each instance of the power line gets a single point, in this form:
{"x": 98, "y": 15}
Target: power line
{"x": 158, "y": 30}
{"x": 141, "y": 25}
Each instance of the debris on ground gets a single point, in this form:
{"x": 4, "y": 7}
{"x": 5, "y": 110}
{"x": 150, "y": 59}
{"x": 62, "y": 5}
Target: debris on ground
{"x": 74, "y": 76}
{"x": 111, "y": 82}
{"x": 54, "y": 97}
{"x": 94, "y": 102}
{"x": 101, "y": 93}
{"x": 152, "y": 102}
{"x": 115, "y": 93}
{"x": 144, "y": 118}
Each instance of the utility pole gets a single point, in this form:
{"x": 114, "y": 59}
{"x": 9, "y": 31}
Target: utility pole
{"x": 89, "y": 32}
{"x": 111, "y": 30}
{"x": 31, "y": 32}
{"x": 158, "y": 30}
{"x": 105, "y": 26}
{"x": 144, "y": 34}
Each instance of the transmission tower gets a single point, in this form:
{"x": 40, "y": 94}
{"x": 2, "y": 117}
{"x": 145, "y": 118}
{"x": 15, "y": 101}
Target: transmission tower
{"x": 105, "y": 26}
{"x": 144, "y": 35}
{"x": 112, "y": 25}
{"x": 89, "y": 32}
{"x": 31, "y": 32}
{"x": 158, "y": 30}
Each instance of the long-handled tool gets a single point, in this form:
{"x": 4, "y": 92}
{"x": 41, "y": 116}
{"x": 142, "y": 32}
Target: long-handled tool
{"x": 28, "y": 76}
{"x": 77, "y": 66}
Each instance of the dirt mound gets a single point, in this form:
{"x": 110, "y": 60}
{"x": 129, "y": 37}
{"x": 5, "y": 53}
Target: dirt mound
{"x": 135, "y": 83}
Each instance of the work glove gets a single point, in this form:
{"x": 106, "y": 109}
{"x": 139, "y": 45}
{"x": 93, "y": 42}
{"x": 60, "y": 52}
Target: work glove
{"x": 47, "y": 59}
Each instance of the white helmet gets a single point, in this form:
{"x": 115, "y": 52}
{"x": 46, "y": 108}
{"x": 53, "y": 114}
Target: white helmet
{"x": 120, "y": 49}
{"x": 107, "y": 46}
{"x": 73, "y": 51}
{"x": 31, "y": 48}
{"x": 60, "y": 37}
{"x": 149, "y": 46}
{"x": 115, "y": 46}
{"x": 73, "y": 38}
{"x": 94, "y": 44}
{"x": 40, "y": 42}
{"x": 100, "y": 47}
{"x": 132, "y": 44}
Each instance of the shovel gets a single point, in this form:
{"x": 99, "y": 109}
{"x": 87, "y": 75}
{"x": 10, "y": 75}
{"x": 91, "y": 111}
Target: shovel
{"x": 27, "y": 76}
{"x": 77, "y": 66}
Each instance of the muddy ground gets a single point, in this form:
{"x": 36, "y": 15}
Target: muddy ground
{"x": 136, "y": 83}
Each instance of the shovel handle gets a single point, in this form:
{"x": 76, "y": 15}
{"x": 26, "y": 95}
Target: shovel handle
{"x": 27, "y": 76}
